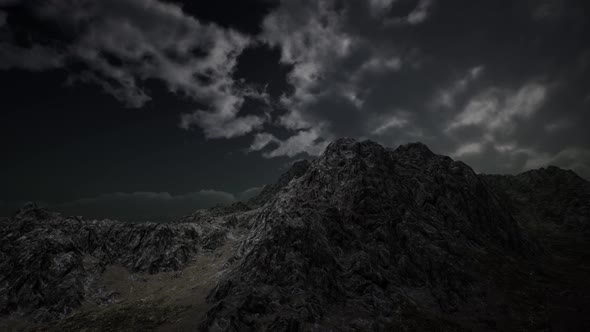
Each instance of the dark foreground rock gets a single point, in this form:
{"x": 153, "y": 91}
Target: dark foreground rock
{"x": 546, "y": 197}
{"x": 49, "y": 263}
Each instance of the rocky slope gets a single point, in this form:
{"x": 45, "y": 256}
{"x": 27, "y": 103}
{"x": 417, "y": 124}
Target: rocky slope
{"x": 268, "y": 192}
{"x": 364, "y": 238}
{"x": 546, "y": 197}
{"x": 49, "y": 264}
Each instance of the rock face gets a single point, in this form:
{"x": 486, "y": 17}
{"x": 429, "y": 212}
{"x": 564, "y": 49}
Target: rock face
{"x": 268, "y": 192}
{"x": 546, "y": 197}
{"x": 49, "y": 263}
{"x": 364, "y": 238}
{"x": 365, "y": 235}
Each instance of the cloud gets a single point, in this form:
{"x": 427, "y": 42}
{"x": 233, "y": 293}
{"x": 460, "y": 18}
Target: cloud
{"x": 262, "y": 140}
{"x": 496, "y": 109}
{"x": 140, "y": 206}
{"x": 35, "y": 58}
{"x": 249, "y": 193}
{"x": 155, "y": 206}
{"x": 467, "y": 149}
{"x": 389, "y": 70}
{"x": 123, "y": 43}
{"x": 576, "y": 159}
{"x": 356, "y": 64}
{"x": 305, "y": 141}
{"x": 396, "y": 121}
{"x": 420, "y": 13}
{"x": 446, "y": 96}
{"x": 219, "y": 125}
{"x": 334, "y": 66}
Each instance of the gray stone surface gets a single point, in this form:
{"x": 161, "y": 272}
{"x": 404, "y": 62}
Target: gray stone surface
{"x": 364, "y": 238}
{"x": 366, "y": 233}
{"x": 49, "y": 263}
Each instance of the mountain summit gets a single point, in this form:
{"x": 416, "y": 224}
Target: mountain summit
{"x": 365, "y": 237}
{"x": 362, "y": 238}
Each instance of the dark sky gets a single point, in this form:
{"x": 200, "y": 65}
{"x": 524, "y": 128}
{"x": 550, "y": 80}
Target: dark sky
{"x": 147, "y": 109}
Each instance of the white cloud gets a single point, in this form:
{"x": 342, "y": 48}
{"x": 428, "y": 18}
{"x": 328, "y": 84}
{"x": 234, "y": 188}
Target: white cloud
{"x": 495, "y": 109}
{"x": 153, "y": 40}
{"x": 573, "y": 158}
{"x": 308, "y": 142}
{"x": 262, "y": 140}
{"x": 507, "y": 147}
{"x": 391, "y": 122}
{"x": 446, "y": 97}
{"x": 249, "y": 193}
{"x": 315, "y": 38}
{"x": 468, "y": 149}
{"x": 420, "y": 13}
{"x": 309, "y": 46}
{"x": 379, "y": 6}
{"x": 216, "y": 125}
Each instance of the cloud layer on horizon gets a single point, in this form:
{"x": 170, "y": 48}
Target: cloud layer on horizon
{"x": 140, "y": 206}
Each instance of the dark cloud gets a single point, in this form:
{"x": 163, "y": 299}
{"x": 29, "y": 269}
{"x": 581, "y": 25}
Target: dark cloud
{"x": 502, "y": 85}
{"x": 494, "y": 82}
{"x": 141, "y": 206}
{"x": 123, "y": 43}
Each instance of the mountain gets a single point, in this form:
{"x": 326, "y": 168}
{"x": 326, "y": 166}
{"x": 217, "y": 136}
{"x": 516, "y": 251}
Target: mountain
{"x": 268, "y": 192}
{"x": 548, "y": 197}
{"x": 363, "y": 238}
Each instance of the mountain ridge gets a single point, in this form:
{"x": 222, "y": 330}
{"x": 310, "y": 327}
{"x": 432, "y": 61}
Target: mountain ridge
{"x": 410, "y": 239}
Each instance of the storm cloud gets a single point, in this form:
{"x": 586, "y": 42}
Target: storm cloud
{"x": 140, "y": 206}
{"x": 504, "y": 94}
{"x": 502, "y": 85}
{"x": 121, "y": 44}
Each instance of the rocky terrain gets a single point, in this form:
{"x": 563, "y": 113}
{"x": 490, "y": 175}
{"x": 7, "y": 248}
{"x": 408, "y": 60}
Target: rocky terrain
{"x": 364, "y": 238}
{"x": 547, "y": 197}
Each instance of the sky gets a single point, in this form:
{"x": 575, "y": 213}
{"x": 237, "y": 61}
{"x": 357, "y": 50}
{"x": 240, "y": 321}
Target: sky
{"x": 150, "y": 109}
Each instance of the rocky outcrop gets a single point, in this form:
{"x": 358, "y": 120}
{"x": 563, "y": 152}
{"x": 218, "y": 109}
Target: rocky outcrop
{"x": 49, "y": 263}
{"x": 366, "y": 238}
{"x": 546, "y": 197}
{"x": 269, "y": 191}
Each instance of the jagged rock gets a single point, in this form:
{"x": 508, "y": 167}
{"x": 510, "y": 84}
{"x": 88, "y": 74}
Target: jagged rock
{"x": 49, "y": 263}
{"x": 268, "y": 192}
{"x": 364, "y": 238}
{"x": 364, "y": 234}
{"x": 546, "y": 197}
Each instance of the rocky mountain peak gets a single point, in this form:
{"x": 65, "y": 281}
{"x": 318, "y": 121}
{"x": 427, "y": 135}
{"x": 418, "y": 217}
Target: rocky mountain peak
{"x": 370, "y": 224}
{"x": 362, "y": 238}
{"x": 32, "y": 212}
{"x": 546, "y": 197}
{"x": 296, "y": 170}
{"x": 349, "y": 147}
{"x": 417, "y": 149}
